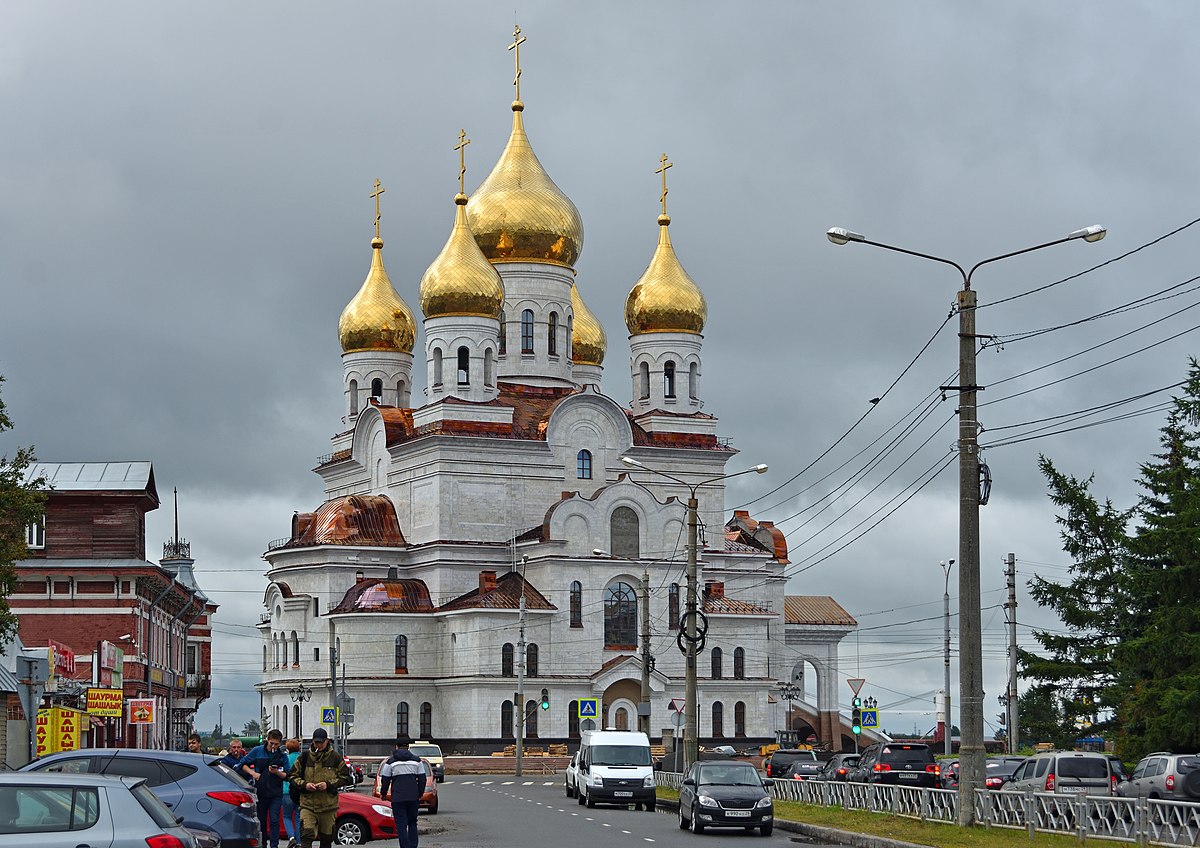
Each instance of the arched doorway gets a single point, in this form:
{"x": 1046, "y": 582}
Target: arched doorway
{"x": 620, "y": 704}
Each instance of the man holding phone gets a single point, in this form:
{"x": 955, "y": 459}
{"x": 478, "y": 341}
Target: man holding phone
{"x": 266, "y": 765}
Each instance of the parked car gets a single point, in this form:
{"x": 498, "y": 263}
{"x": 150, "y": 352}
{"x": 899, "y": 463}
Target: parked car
{"x": 571, "y": 776}
{"x": 949, "y": 774}
{"x": 1174, "y": 777}
{"x": 1086, "y": 772}
{"x": 803, "y": 769}
{"x": 429, "y": 798}
{"x": 782, "y": 759}
{"x": 1118, "y": 768}
{"x": 899, "y": 764}
{"x": 362, "y": 818}
{"x": 356, "y": 773}
{"x": 432, "y": 753}
{"x": 838, "y": 767}
{"x": 725, "y": 794}
{"x": 198, "y": 787}
{"x": 52, "y": 809}
{"x": 999, "y": 770}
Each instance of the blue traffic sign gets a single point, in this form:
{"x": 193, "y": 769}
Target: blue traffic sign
{"x": 328, "y": 715}
{"x": 870, "y": 718}
{"x": 589, "y": 707}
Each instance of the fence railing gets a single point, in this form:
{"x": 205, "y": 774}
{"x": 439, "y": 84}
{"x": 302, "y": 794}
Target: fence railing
{"x": 1139, "y": 820}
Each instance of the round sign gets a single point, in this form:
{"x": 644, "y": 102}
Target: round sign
{"x": 587, "y": 724}
{"x": 678, "y": 719}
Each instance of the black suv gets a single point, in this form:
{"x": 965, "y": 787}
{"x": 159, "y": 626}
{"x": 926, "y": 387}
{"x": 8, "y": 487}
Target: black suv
{"x": 777, "y": 765}
{"x": 898, "y": 763}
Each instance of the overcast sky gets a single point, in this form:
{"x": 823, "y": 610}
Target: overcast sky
{"x": 184, "y": 213}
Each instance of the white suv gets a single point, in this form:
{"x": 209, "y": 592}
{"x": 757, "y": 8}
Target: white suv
{"x": 1084, "y": 772}
{"x": 1162, "y": 775}
{"x": 571, "y": 777}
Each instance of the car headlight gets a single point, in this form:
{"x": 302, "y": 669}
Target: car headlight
{"x": 596, "y": 780}
{"x": 648, "y": 782}
{"x": 382, "y": 810}
{"x": 706, "y": 801}
{"x": 764, "y": 802}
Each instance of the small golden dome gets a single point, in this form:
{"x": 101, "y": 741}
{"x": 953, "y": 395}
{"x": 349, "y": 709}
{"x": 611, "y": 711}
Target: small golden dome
{"x": 377, "y": 318}
{"x": 665, "y": 299}
{"x": 460, "y": 281}
{"x": 588, "y": 342}
{"x": 518, "y": 214}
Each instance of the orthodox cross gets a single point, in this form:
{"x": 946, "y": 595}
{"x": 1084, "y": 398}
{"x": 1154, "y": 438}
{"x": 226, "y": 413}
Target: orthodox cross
{"x": 663, "y": 171}
{"x": 461, "y": 147}
{"x": 518, "y": 40}
{"x": 375, "y": 194}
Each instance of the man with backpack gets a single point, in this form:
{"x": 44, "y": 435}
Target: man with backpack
{"x": 316, "y": 777}
{"x": 266, "y": 765}
{"x": 404, "y": 774}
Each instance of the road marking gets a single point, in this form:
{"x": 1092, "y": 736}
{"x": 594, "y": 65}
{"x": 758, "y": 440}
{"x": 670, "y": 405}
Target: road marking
{"x": 625, "y": 831}
{"x": 508, "y": 783}
{"x": 647, "y": 839}
{"x": 487, "y": 783}
{"x": 467, "y": 782}
{"x": 574, "y": 814}
{"x": 529, "y": 783}
{"x": 605, "y": 824}
{"x": 589, "y": 818}
{"x": 548, "y": 782}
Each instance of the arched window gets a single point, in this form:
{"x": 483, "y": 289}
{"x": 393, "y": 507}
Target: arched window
{"x": 531, "y": 717}
{"x": 716, "y": 663}
{"x": 295, "y": 650}
{"x": 500, "y": 337}
{"x": 402, "y": 719}
{"x": 489, "y": 368}
{"x": 624, "y": 530}
{"x": 739, "y": 718}
{"x": 275, "y": 642}
{"x": 464, "y": 366}
{"x": 506, "y": 660}
{"x": 531, "y": 660}
{"x": 570, "y": 335}
{"x": 264, "y": 656}
{"x": 401, "y": 655}
{"x": 527, "y": 331}
{"x": 573, "y": 720}
{"x": 694, "y": 381}
{"x": 673, "y": 607}
{"x": 620, "y": 617}
{"x": 377, "y": 389}
{"x": 669, "y": 379}
{"x": 552, "y": 335}
{"x": 621, "y": 718}
{"x": 583, "y": 465}
{"x": 426, "y": 720}
{"x": 718, "y": 719}
{"x": 644, "y": 380}
{"x": 739, "y": 663}
{"x": 284, "y": 729}
{"x": 296, "y": 718}
{"x": 354, "y": 397}
{"x": 437, "y": 366}
{"x": 399, "y": 393}
{"x": 576, "y": 604}
{"x": 506, "y": 720}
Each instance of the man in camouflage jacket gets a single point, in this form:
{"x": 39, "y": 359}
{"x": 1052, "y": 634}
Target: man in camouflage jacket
{"x": 319, "y": 773}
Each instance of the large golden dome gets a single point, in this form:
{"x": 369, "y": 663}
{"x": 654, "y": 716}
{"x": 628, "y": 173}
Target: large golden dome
{"x": 665, "y": 299}
{"x": 377, "y": 318}
{"x": 460, "y": 281}
{"x": 588, "y": 342}
{"x": 518, "y": 214}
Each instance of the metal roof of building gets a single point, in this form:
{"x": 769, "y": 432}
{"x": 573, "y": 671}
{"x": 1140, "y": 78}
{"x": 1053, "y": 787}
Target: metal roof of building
{"x": 815, "y": 609}
{"x": 133, "y": 476}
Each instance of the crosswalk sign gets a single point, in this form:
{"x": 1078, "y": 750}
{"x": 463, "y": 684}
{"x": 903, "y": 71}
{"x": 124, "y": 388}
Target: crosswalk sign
{"x": 328, "y": 715}
{"x": 589, "y": 707}
{"x": 870, "y": 718}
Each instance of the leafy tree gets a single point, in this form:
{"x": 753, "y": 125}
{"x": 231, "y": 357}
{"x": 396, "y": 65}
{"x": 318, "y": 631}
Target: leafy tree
{"x": 22, "y": 503}
{"x": 218, "y": 733}
{"x": 1042, "y": 719}
{"x": 252, "y": 728}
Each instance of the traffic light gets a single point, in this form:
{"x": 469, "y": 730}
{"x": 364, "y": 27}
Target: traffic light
{"x": 545, "y": 699}
{"x": 856, "y": 715}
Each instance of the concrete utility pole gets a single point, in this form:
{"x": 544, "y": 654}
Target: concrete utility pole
{"x": 949, "y": 724}
{"x": 644, "y": 706}
{"x": 1011, "y": 609}
{"x": 519, "y": 706}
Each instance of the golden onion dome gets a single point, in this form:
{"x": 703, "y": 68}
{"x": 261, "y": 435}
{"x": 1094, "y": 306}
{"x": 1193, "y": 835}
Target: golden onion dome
{"x": 461, "y": 281}
{"x": 665, "y": 299}
{"x": 377, "y": 318}
{"x": 518, "y": 214}
{"x": 588, "y": 342}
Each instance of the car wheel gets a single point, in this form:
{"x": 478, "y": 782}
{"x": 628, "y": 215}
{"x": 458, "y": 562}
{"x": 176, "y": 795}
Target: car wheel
{"x": 683, "y": 823}
{"x": 650, "y": 808}
{"x": 588, "y": 801}
{"x": 578, "y": 795}
{"x": 697, "y": 827}
{"x": 766, "y": 829}
{"x": 433, "y": 809}
{"x": 351, "y": 830}
{"x": 567, "y": 788}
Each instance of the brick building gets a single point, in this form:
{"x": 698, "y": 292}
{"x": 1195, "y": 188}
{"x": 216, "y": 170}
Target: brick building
{"x": 87, "y": 581}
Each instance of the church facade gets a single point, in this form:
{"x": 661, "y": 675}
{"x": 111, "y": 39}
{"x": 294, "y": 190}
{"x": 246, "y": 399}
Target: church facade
{"x": 503, "y": 512}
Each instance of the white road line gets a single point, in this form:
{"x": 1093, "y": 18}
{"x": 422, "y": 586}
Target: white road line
{"x": 467, "y": 782}
{"x": 528, "y": 783}
{"x": 625, "y": 832}
{"x": 574, "y": 814}
{"x": 549, "y": 782}
{"x": 508, "y": 783}
{"x": 647, "y": 839}
{"x": 605, "y": 824}
{"x": 487, "y": 783}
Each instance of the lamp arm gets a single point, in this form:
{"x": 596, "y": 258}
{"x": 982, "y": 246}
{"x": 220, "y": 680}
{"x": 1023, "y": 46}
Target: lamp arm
{"x": 976, "y": 266}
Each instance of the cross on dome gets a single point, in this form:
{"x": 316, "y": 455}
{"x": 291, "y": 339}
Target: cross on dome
{"x": 375, "y": 194}
{"x": 461, "y": 147}
{"x": 663, "y": 170}
{"x": 518, "y": 40}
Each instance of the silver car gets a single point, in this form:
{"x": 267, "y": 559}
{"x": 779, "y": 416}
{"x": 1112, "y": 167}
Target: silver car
{"x": 69, "y": 810}
{"x": 1161, "y": 775}
{"x": 1079, "y": 772}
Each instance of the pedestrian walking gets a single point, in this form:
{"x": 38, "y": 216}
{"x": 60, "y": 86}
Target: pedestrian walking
{"x": 404, "y": 775}
{"x": 291, "y": 813}
{"x": 236, "y": 752}
{"x": 318, "y": 774}
{"x": 266, "y": 765}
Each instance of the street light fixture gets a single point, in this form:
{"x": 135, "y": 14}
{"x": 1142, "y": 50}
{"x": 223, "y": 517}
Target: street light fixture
{"x": 946, "y": 566}
{"x": 970, "y": 642}
{"x": 691, "y": 706}
{"x": 300, "y": 694}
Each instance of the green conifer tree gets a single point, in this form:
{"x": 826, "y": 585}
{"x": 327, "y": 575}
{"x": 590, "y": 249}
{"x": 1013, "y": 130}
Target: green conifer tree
{"x": 22, "y": 504}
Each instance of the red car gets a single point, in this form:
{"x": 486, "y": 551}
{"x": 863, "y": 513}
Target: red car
{"x": 429, "y": 798}
{"x": 361, "y": 818}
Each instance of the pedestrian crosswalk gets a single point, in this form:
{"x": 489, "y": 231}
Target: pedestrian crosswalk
{"x": 472, "y": 781}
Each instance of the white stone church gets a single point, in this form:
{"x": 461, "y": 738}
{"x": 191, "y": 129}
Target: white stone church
{"x": 508, "y": 481}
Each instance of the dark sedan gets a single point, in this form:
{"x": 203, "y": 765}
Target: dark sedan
{"x": 725, "y": 794}
{"x": 838, "y": 767}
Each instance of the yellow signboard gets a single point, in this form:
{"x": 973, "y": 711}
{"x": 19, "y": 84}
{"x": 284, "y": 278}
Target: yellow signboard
{"x": 58, "y": 729}
{"x": 105, "y": 702}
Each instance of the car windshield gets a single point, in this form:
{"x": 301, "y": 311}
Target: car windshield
{"x": 1083, "y": 767}
{"x": 620, "y": 755}
{"x": 729, "y": 776}
{"x": 425, "y": 750}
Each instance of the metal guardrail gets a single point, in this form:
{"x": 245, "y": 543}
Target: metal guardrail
{"x": 1138, "y": 820}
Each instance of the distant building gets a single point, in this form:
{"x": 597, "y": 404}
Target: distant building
{"x": 86, "y": 584}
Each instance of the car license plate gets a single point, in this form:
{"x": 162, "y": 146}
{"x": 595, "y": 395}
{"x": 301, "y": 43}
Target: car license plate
{"x": 622, "y": 794}
{"x": 907, "y": 776}
{"x": 737, "y": 814}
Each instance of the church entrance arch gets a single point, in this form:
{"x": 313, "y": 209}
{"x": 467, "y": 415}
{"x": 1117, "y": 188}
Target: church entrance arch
{"x": 620, "y": 704}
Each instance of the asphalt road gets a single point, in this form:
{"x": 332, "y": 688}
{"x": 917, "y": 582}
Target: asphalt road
{"x": 502, "y": 811}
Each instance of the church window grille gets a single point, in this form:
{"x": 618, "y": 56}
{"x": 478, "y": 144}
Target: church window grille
{"x": 354, "y": 397}
{"x": 739, "y": 663}
{"x": 295, "y": 650}
{"x": 500, "y": 337}
{"x": 506, "y": 720}
{"x": 464, "y": 366}
{"x": 437, "y": 366}
{"x": 531, "y": 660}
{"x": 669, "y": 379}
{"x": 570, "y": 335}
{"x": 718, "y": 719}
{"x": 573, "y": 720}
{"x": 489, "y": 368}
{"x": 35, "y": 534}
{"x": 402, "y": 718}
{"x": 576, "y": 604}
{"x": 739, "y": 719}
{"x": 531, "y": 719}
{"x": 527, "y": 331}
{"x": 644, "y": 380}
{"x": 401, "y": 655}
{"x": 552, "y": 335}
{"x": 716, "y": 663}
{"x": 673, "y": 607}
{"x": 426, "y": 720}
{"x": 506, "y": 660}
{"x": 694, "y": 381}
{"x": 620, "y": 617}
{"x": 624, "y": 530}
{"x": 377, "y": 389}
{"x": 264, "y": 657}
{"x": 583, "y": 465}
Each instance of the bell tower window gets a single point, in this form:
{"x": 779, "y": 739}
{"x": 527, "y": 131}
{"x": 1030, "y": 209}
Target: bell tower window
{"x": 583, "y": 465}
{"x": 437, "y": 366}
{"x": 377, "y": 389}
{"x": 527, "y": 331}
{"x": 669, "y": 379}
{"x": 464, "y": 366}
{"x": 500, "y": 336}
{"x": 552, "y": 335}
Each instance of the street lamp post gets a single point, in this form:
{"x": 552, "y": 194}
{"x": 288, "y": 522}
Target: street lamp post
{"x": 946, "y": 566}
{"x": 790, "y": 691}
{"x": 970, "y": 642}
{"x": 300, "y": 694}
{"x": 691, "y": 707}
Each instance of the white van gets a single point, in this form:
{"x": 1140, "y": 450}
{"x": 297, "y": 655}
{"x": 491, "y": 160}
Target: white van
{"x": 615, "y": 768}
